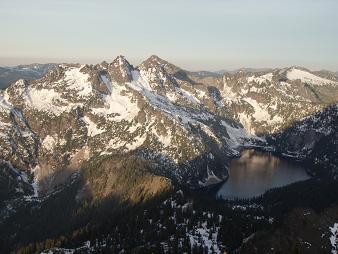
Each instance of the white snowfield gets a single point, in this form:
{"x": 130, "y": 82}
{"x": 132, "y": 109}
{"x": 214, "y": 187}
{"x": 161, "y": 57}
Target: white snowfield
{"x": 261, "y": 113}
{"x": 334, "y": 238}
{"x": 120, "y": 105}
{"x": 307, "y": 77}
{"x": 141, "y": 84}
{"x": 46, "y": 100}
{"x": 92, "y": 128}
{"x": 78, "y": 81}
{"x": 49, "y": 143}
{"x": 261, "y": 79}
{"x": 5, "y": 106}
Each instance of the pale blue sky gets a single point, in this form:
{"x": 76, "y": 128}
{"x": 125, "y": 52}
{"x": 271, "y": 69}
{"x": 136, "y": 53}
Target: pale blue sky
{"x": 195, "y": 34}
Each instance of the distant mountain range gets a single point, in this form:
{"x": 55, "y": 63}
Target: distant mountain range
{"x": 246, "y": 70}
{"x": 256, "y": 70}
{"x": 9, "y": 75}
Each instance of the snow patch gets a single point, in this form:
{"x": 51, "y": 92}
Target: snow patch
{"x": 107, "y": 82}
{"x": 78, "y": 81}
{"x": 46, "y": 100}
{"x": 48, "y": 143}
{"x": 200, "y": 236}
{"x": 228, "y": 94}
{"x": 236, "y": 135}
{"x": 334, "y": 238}
{"x": 261, "y": 114}
{"x": 117, "y": 104}
{"x": 163, "y": 103}
{"x": 92, "y": 128}
{"x": 211, "y": 178}
{"x": 188, "y": 96}
{"x": 5, "y": 106}
{"x": 308, "y": 77}
{"x": 261, "y": 79}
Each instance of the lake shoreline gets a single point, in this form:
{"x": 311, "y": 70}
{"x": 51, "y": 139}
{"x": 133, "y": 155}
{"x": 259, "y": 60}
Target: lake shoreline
{"x": 257, "y": 171}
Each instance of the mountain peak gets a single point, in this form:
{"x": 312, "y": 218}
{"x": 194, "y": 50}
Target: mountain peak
{"x": 298, "y": 67}
{"x": 121, "y": 69}
{"x": 158, "y": 63}
{"x": 120, "y": 61}
{"x": 154, "y": 60}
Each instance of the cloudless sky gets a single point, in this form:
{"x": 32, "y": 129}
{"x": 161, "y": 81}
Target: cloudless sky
{"x": 194, "y": 34}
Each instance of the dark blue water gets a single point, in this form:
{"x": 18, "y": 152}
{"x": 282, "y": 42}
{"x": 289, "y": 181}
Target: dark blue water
{"x": 256, "y": 172}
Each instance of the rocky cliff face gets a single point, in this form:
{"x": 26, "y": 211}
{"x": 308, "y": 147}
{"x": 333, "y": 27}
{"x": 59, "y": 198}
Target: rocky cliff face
{"x": 313, "y": 140}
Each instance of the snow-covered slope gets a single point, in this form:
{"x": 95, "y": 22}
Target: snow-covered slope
{"x": 271, "y": 101}
{"x": 50, "y": 127}
{"x": 313, "y": 140}
{"x": 186, "y": 125}
{"x": 308, "y": 77}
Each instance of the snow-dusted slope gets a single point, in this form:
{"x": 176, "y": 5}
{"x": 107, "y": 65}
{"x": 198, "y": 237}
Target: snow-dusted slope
{"x": 308, "y": 77}
{"x": 51, "y": 126}
{"x": 269, "y": 102}
{"x": 187, "y": 126}
{"x": 313, "y": 140}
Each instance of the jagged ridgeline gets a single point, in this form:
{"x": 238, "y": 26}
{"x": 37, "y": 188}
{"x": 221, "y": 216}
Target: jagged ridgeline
{"x": 184, "y": 124}
{"x": 54, "y": 125}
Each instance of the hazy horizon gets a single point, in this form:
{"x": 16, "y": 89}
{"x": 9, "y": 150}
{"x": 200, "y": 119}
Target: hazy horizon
{"x": 136, "y": 63}
{"x": 195, "y": 35}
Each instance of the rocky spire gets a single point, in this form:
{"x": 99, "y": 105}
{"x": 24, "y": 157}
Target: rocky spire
{"x": 159, "y": 74}
{"x": 120, "y": 70}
